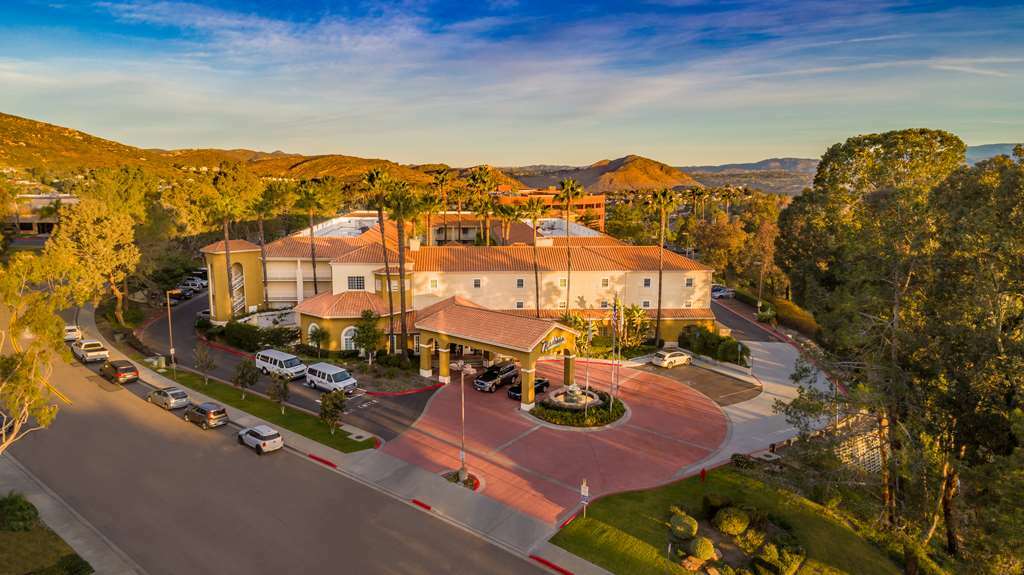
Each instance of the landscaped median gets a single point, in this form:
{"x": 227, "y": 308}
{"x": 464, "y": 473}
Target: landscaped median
{"x": 628, "y": 532}
{"x": 293, "y": 419}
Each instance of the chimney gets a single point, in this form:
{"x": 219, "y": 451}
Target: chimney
{"x": 545, "y": 242}
{"x": 414, "y": 244}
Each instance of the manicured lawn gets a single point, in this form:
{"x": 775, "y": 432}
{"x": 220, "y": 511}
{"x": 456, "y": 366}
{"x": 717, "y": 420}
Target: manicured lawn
{"x": 292, "y": 420}
{"x": 27, "y": 551}
{"x": 623, "y": 532}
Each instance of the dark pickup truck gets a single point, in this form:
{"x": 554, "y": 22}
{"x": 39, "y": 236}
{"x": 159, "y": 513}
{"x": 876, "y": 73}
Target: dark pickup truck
{"x": 496, "y": 376}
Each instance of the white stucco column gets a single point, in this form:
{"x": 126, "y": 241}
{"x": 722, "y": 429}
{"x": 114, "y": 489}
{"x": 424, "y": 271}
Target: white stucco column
{"x": 299, "y": 283}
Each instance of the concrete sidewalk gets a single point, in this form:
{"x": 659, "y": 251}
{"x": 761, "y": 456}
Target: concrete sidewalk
{"x": 90, "y": 544}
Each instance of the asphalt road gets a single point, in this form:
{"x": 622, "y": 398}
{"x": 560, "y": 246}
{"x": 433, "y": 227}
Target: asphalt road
{"x": 742, "y": 328}
{"x": 386, "y": 417}
{"x": 181, "y": 500}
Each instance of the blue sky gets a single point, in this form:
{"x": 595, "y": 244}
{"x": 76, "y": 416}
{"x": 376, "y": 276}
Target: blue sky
{"x": 510, "y": 82}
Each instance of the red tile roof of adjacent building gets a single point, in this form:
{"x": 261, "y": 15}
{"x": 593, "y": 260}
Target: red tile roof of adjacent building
{"x": 348, "y": 304}
{"x": 236, "y": 246}
{"x": 330, "y": 247}
{"x": 373, "y": 253}
{"x": 601, "y": 240}
{"x": 693, "y": 313}
{"x": 550, "y": 258}
{"x": 461, "y": 318}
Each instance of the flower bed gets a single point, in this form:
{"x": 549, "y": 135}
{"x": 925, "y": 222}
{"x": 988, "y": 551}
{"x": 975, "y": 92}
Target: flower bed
{"x": 596, "y": 417}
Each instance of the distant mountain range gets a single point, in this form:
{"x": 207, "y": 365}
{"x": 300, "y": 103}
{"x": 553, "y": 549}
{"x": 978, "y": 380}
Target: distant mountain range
{"x": 26, "y": 143}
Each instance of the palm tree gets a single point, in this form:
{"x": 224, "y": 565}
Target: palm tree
{"x": 432, "y": 203}
{"x": 481, "y": 181}
{"x": 442, "y": 180}
{"x": 277, "y": 197}
{"x": 315, "y": 197}
{"x": 535, "y": 208}
{"x": 377, "y": 183}
{"x": 460, "y": 195}
{"x": 485, "y": 208}
{"x": 235, "y": 190}
{"x": 404, "y": 203}
{"x": 662, "y": 201}
{"x": 569, "y": 190}
{"x": 507, "y": 213}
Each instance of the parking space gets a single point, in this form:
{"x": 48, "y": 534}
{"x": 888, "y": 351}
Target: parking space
{"x": 537, "y": 468}
{"x": 721, "y": 389}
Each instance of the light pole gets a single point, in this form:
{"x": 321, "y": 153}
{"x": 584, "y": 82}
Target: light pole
{"x": 464, "y": 369}
{"x": 170, "y": 334}
{"x": 760, "y": 282}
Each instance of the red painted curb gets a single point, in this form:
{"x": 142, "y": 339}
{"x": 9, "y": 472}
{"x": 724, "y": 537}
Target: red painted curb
{"x": 225, "y": 348}
{"x": 567, "y": 521}
{"x": 419, "y": 503}
{"x": 322, "y": 461}
{"x": 406, "y": 392}
{"x": 553, "y": 566}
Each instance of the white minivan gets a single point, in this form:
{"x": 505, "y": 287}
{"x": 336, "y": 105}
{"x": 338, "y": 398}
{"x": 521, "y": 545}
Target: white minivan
{"x": 330, "y": 378}
{"x": 272, "y": 361}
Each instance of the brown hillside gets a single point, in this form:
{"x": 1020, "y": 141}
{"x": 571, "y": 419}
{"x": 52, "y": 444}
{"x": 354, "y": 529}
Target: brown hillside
{"x": 628, "y": 173}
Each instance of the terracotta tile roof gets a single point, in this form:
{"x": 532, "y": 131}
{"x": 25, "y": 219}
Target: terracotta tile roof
{"x": 373, "y": 253}
{"x": 601, "y": 240}
{"x": 460, "y": 318}
{"x": 348, "y": 304}
{"x": 601, "y": 313}
{"x": 236, "y": 246}
{"x": 328, "y": 247}
{"x": 549, "y": 258}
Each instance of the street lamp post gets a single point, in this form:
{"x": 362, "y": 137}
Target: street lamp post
{"x": 170, "y": 334}
{"x": 464, "y": 369}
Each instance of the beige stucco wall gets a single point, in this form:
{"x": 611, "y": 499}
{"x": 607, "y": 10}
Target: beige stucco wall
{"x": 341, "y": 272}
{"x": 220, "y": 302}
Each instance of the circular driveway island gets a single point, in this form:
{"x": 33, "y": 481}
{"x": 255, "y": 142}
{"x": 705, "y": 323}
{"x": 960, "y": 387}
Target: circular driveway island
{"x": 537, "y": 468}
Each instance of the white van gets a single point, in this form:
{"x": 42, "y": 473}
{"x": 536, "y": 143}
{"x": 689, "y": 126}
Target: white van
{"x": 330, "y": 378}
{"x": 272, "y": 361}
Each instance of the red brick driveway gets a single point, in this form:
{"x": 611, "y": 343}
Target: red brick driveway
{"x": 537, "y": 469}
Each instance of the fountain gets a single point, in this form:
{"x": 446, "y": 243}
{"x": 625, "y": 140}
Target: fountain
{"x": 573, "y": 398}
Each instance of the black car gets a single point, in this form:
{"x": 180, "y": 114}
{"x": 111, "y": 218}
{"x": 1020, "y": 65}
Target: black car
{"x": 540, "y": 385}
{"x": 496, "y": 376}
{"x": 119, "y": 371}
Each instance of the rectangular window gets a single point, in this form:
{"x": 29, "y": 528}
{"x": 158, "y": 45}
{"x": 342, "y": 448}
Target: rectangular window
{"x": 356, "y": 283}
{"x": 377, "y": 284}
{"x": 520, "y": 283}
{"x": 605, "y": 282}
{"x": 561, "y": 305}
{"x": 646, "y": 303}
{"x": 476, "y": 283}
{"x": 689, "y": 282}
{"x": 433, "y": 284}
{"x": 604, "y": 304}
{"x": 689, "y": 303}
{"x": 394, "y": 286}
{"x": 647, "y": 282}
{"x": 563, "y": 282}
{"x": 520, "y": 304}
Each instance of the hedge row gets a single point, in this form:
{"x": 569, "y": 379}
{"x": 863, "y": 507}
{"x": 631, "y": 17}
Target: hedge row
{"x": 253, "y": 338}
{"x": 787, "y": 313}
{"x": 702, "y": 341}
{"x": 594, "y": 417}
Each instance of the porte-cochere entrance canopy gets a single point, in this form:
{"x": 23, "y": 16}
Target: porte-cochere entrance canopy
{"x": 525, "y": 339}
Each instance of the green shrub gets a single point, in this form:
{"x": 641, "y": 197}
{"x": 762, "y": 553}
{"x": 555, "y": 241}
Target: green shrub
{"x": 278, "y": 336}
{"x": 394, "y": 360}
{"x": 750, "y": 540}
{"x": 244, "y": 336}
{"x": 70, "y": 564}
{"x": 773, "y": 561}
{"x": 682, "y": 527}
{"x": 702, "y": 548}
{"x": 794, "y": 317}
{"x": 703, "y": 341}
{"x": 594, "y": 417}
{"x": 746, "y": 297}
{"x": 17, "y": 513}
{"x": 712, "y": 502}
{"x": 215, "y": 331}
{"x": 767, "y": 314}
{"x": 731, "y": 520}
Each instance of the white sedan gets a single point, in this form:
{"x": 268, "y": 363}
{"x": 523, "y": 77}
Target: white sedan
{"x": 671, "y": 358}
{"x": 72, "y": 333}
{"x": 261, "y": 438}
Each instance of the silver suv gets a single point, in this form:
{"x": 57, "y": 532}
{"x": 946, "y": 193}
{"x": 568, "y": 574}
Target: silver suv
{"x": 206, "y": 415}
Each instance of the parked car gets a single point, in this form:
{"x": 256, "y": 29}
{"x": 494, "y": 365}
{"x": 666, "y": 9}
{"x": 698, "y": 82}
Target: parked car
{"x": 201, "y": 281}
{"x": 89, "y": 350}
{"x": 191, "y": 284}
{"x": 206, "y": 415}
{"x": 261, "y": 438}
{"x": 720, "y": 291}
{"x": 496, "y": 376}
{"x": 169, "y": 398}
{"x": 72, "y": 333}
{"x": 327, "y": 377}
{"x": 666, "y": 358}
{"x": 120, "y": 371}
{"x": 203, "y": 315}
{"x": 272, "y": 361}
{"x": 181, "y": 293}
{"x": 201, "y": 273}
{"x": 540, "y": 385}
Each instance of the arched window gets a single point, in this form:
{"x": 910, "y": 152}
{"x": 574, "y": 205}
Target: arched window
{"x": 348, "y": 339}
{"x": 313, "y": 328}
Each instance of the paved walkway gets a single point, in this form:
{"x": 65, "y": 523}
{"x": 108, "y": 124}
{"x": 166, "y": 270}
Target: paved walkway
{"x": 89, "y": 543}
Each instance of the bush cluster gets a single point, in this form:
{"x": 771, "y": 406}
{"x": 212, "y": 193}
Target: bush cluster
{"x": 682, "y": 527}
{"x": 774, "y": 561}
{"x": 595, "y": 417}
{"x": 702, "y": 341}
{"x": 253, "y": 338}
{"x": 731, "y": 520}
{"x": 394, "y": 360}
{"x": 70, "y": 564}
{"x": 785, "y": 312}
{"x": 702, "y": 548}
{"x": 310, "y": 350}
{"x": 712, "y": 502}
{"x": 17, "y": 513}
